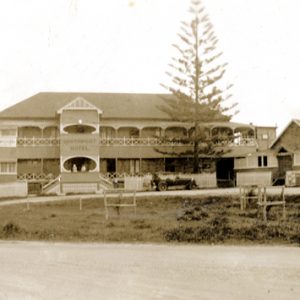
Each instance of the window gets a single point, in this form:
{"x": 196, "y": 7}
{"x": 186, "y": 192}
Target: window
{"x": 265, "y": 136}
{"x": 262, "y": 161}
{"x": 7, "y": 168}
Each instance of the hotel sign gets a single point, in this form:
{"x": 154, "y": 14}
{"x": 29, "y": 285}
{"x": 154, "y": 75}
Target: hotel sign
{"x": 79, "y": 144}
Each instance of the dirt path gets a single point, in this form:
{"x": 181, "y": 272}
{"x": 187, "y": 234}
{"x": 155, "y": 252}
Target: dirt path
{"x": 32, "y": 270}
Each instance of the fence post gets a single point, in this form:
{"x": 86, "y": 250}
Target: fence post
{"x": 283, "y": 203}
{"x": 265, "y": 205}
{"x": 80, "y": 203}
{"x": 134, "y": 202}
{"x": 27, "y": 204}
{"x": 105, "y": 206}
{"x": 241, "y": 198}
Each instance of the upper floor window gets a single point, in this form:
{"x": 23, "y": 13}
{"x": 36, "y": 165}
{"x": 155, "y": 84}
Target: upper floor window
{"x": 265, "y": 136}
{"x": 262, "y": 161}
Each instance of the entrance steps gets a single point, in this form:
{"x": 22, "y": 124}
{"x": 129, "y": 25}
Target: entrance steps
{"x": 52, "y": 187}
{"x": 59, "y": 186}
{"x": 105, "y": 183}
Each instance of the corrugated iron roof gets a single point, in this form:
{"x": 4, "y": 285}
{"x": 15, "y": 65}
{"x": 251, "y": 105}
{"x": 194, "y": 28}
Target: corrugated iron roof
{"x": 114, "y": 105}
{"x": 130, "y": 106}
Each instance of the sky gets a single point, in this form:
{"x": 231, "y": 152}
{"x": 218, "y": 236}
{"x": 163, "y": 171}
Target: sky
{"x": 126, "y": 46}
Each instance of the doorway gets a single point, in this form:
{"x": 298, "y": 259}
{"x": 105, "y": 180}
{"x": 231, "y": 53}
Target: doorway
{"x": 285, "y": 163}
{"x": 111, "y": 165}
{"x": 225, "y": 172}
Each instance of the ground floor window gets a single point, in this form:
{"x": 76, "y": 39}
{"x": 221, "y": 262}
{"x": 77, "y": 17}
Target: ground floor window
{"x": 152, "y": 165}
{"x": 29, "y": 166}
{"x": 128, "y": 166}
{"x": 107, "y": 165}
{"x": 8, "y": 168}
{"x": 207, "y": 165}
{"x": 180, "y": 165}
{"x": 51, "y": 166}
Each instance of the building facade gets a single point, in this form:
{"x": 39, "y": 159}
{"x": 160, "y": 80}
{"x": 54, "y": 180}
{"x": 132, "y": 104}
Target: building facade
{"x": 75, "y": 139}
{"x": 286, "y": 149}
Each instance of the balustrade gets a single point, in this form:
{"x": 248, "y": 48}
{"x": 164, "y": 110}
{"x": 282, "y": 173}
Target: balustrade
{"x": 35, "y": 141}
{"x": 36, "y": 176}
{"x": 141, "y": 142}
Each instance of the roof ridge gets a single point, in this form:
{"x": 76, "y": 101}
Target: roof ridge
{"x": 100, "y": 93}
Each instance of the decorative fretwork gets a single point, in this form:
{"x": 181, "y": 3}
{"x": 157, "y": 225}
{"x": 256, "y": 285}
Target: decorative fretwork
{"x": 35, "y": 141}
{"x": 141, "y": 142}
{"x": 36, "y": 176}
{"x": 171, "y": 142}
{"x": 79, "y": 103}
{"x": 236, "y": 143}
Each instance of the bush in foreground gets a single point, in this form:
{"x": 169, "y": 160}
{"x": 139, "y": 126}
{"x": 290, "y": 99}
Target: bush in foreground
{"x": 221, "y": 231}
{"x": 11, "y": 229}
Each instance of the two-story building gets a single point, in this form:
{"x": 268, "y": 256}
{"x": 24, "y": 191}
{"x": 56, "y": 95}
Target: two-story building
{"x": 75, "y": 140}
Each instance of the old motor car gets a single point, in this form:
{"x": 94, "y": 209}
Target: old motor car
{"x": 164, "y": 181}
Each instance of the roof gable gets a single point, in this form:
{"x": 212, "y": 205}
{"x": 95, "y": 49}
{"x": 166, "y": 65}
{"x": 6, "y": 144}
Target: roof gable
{"x": 287, "y": 143}
{"x": 79, "y": 103}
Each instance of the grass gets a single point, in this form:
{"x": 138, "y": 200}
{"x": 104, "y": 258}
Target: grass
{"x": 158, "y": 219}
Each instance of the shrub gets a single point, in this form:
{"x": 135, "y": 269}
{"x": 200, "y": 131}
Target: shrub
{"x": 193, "y": 213}
{"x": 11, "y": 229}
{"x": 296, "y": 238}
{"x": 140, "y": 224}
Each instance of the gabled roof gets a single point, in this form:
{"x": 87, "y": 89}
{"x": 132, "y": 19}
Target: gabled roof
{"x": 296, "y": 121}
{"x": 79, "y": 104}
{"x": 114, "y": 105}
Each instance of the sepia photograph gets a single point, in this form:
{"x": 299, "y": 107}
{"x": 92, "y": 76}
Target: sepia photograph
{"x": 149, "y": 149}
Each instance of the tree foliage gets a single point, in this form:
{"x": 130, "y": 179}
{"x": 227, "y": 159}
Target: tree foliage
{"x": 196, "y": 82}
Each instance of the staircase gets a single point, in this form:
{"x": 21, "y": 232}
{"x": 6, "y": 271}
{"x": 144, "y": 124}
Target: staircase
{"x": 105, "y": 183}
{"x": 52, "y": 187}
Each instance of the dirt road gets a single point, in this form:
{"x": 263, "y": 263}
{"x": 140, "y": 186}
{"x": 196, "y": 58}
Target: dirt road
{"x": 32, "y": 270}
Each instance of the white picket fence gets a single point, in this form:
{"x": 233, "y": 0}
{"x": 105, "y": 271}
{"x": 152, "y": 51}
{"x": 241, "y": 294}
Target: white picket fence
{"x": 13, "y": 189}
{"x": 139, "y": 183}
{"x": 205, "y": 180}
{"x": 254, "y": 178}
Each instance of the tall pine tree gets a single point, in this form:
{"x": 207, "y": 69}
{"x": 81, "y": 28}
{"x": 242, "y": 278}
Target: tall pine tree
{"x": 195, "y": 74}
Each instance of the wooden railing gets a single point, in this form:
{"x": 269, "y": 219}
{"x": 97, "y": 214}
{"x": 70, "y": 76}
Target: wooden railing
{"x": 35, "y": 176}
{"x": 148, "y": 141}
{"x": 37, "y": 141}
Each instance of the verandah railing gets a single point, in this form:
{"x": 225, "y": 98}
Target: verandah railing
{"x": 36, "y": 176}
{"x": 37, "y": 141}
{"x": 148, "y": 141}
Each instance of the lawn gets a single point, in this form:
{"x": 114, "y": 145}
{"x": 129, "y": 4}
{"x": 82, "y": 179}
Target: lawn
{"x": 157, "y": 219}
